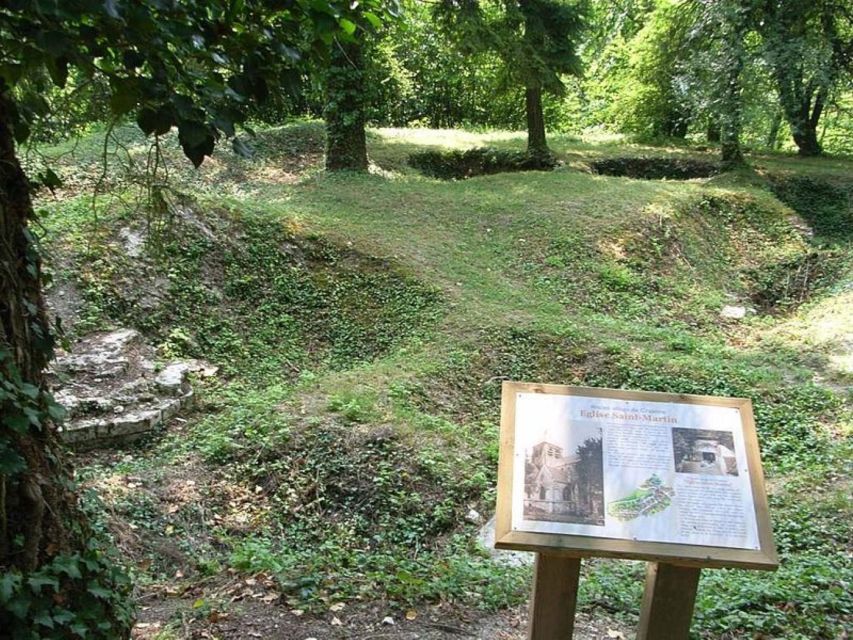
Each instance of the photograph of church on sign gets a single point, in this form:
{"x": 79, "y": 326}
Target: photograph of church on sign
{"x": 704, "y": 451}
{"x": 561, "y": 487}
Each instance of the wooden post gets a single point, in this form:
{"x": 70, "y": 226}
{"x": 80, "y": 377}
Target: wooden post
{"x": 555, "y": 594}
{"x": 668, "y": 602}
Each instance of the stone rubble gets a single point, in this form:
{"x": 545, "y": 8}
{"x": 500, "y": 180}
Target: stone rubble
{"x": 114, "y": 392}
{"x": 486, "y": 538}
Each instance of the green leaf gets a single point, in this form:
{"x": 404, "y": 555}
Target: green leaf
{"x": 58, "y": 70}
{"x": 157, "y": 121}
{"x": 57, "y": 412}
{"x": 98, "y": 591}
{"x": 348, "y": 26}
{"x": 29, "y": 390}
{"x": 63, "y": 616}
{"x": 11, "y": 462}
{"x": 9, "y": 583}
{"x": 19, "y": 607}
{"x": 44, "y": 619}
{"x": 69, "y": 565}
{"x": 18, "y": 422}
{"x": 125, "y": 95}
{"x": 111, "y": 9}
{"x": 49, "y": 179}
{"x": 374, "y": 20}
{"x": 38, "y": 581}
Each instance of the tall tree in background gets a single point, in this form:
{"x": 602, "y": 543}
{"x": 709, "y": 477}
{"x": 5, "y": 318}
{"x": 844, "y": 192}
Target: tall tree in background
{"x": 808, "y": 46}
{"x": 720, "y": 50}
{"x": 650, "y": 93}
{"x": 192, "y": 65}
{"x": 537, "y": 41}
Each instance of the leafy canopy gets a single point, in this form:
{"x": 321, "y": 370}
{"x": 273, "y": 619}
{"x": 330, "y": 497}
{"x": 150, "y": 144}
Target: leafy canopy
{"x": 193, "y": 64}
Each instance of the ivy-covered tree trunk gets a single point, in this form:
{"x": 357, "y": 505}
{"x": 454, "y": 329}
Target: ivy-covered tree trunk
{"x": 537, "y": 145}
{"x": 346, "y": 141}
{"x": 773, "y": 133}
{"x": 730, "y": 98}
{"x": 51, "y": 573}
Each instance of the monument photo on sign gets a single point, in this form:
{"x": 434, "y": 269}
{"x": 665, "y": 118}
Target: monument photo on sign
{"x": 565, "y": 482}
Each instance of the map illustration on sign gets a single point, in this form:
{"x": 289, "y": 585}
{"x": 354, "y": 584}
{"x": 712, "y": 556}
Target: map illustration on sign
{"x": 650, "y": 498}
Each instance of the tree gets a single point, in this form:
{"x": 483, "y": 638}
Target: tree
{"x": 720, "y": 51}
{"x": 590, "y": 472}
{"x": 650, "y": 95}
{"x": 192, "y": 65}
{"x": 537, "y": 41}
{"x": 346, "y": 139}
{"x": 808, "y": 46}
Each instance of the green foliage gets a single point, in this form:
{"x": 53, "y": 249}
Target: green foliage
{"x": 807, "y": 47}
{"x": 219, "y": 58}
{"x": 648, "y": 95}
{"x": 76, "y": 594}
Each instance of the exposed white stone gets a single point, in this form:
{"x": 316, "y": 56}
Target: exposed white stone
{"x": 112, "y": 391}
{"x": 474, "y": 517}
{"x": 508, "y": 558}
{"x": 733, "y": 312}
{"x": 134, "y": 242}
{"x": 172, "y": 378}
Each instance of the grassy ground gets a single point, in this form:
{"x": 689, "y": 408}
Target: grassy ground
{"x": 363, "y": 323}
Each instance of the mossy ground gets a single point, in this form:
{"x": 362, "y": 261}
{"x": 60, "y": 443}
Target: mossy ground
{"x": 363, "y": 324}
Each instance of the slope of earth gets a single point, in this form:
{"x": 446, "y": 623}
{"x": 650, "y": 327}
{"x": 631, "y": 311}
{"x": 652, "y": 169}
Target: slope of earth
{"x": 338, "y": 468}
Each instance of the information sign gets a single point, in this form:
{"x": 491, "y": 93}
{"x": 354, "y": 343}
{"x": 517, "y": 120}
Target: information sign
{"x": 603, "y": 472}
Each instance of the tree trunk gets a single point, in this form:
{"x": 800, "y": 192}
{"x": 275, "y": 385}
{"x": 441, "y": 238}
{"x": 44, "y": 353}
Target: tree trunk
{"x": 773, "y": 134}
{"x": 346, "y": 141}
{"x": 712, "y": 132}
{"x": 806, "y": 140}
{"x": 40, "y": 519}
{"x": 537, "y": 145}
{"x": 730, "y": 116}
{"x": 804, "y": 124}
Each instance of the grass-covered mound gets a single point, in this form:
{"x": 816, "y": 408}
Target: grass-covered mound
{"x": 356, "y": 428}
{"x": 246, "y": 292}
{"x": 480, "y": 161}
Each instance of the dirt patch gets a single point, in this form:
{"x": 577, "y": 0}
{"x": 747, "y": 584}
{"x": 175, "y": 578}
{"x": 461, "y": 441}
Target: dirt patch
{"x": 644, "y": 168}
{"x": 253, "y": 619}
{"x": 459, "y": 165}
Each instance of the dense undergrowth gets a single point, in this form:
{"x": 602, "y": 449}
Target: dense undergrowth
{"x": 355, "y": 420}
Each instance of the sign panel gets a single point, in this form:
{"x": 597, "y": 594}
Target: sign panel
{"x": 632, "y": 474}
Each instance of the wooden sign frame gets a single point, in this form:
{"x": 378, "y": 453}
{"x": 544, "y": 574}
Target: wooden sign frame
{"x": 577, "y": 546}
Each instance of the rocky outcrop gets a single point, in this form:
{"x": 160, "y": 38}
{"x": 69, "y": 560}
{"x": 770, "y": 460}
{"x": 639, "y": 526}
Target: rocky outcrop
{"x": 113, "y": 390}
